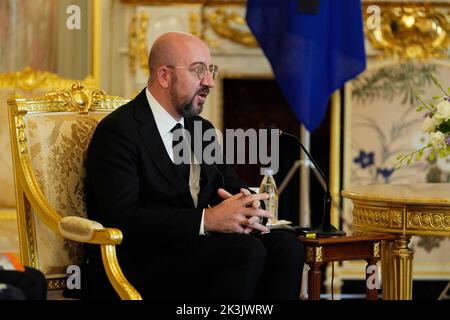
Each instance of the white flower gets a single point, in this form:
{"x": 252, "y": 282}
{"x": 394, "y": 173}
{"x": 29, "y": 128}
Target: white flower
{"x": 444, "y": 164}
{"x": 437, "y": 121}
{"x": 428, "y": 125}
{"x": 436, "y": 126}
{"x": 437, "y": 139}
{"x": 419, "y": 140}
{"x": 443, "y": 110}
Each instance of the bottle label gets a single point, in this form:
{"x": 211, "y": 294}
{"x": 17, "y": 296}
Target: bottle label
{"x": 271, "y": 203}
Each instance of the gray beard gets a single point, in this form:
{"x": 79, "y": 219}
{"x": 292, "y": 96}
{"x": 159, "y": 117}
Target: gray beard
{"x": 186, "y": 108}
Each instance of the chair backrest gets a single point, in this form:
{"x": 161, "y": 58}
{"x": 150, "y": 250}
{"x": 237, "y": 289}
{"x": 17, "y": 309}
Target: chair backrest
{"x": 26, "y": 83}
{"x": 50, "y": 135}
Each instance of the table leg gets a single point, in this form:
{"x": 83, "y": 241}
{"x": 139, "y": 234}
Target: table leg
{"x": 387, "y": 270}
{"x": 402, "y": 275}
{"x": 314, "y": 282}
{"x": 372, "y": 286}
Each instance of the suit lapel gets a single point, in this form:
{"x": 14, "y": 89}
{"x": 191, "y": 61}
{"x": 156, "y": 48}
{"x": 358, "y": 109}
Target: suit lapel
{"x": 155, "y": 147}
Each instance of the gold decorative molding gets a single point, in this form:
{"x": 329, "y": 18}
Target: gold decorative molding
{"x": 409, "y": 30}
{"x": 78, "y": 98}
{"x": 142, "y": 42}
{"x": 376, "y": 250}
{"x": 56, "y": 284}
{"x": 132, "y": 45}
{"x": 229, "y": 25}
{"x": 426, "y": 220}
{"x": 314, "y": 254}
{"x": 371, "y": 215}
{"x": 178, "y": 2}
{"x": 310, "y": 254}
{"x": 138, "y": 49}
{"x": 194, "y": 19}
{"x": 30, "y": 79}
{"x": 318, "y": 254}
{"x": 396, "y": 219}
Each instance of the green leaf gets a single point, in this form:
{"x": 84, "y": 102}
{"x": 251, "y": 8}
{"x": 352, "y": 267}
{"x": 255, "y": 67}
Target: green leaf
{"x": 444, "y": 127}
{"x": 436, "y": 97}
{"x": 431, "y": 156}
{"x": 418, "y": 156}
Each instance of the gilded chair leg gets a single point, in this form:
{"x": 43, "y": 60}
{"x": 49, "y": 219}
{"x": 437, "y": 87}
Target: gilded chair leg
{"x": 402, "y": 275}
{"x": 117, "y": 279}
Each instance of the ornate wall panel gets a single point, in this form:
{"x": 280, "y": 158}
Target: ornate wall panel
{"x": 381, "y": 119}
{"x": 381, "y": 122}
{"x": 409, "y": 29}
{"x": 27, "y": 30}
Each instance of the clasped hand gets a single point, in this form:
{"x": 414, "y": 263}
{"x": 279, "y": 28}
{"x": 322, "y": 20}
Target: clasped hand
{"x": 239, "y": 213}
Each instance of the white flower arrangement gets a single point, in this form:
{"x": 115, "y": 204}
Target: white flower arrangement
{"x": 436, "y": 124}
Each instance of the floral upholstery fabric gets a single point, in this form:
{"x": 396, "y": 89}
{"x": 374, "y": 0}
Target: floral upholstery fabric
{"x": 57, "y": 145}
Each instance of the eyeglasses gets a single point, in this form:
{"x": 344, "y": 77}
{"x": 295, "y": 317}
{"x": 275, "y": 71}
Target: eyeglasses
{"x": 200, "y": 69}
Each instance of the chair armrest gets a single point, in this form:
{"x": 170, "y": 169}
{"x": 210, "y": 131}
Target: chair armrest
{"x": 88, "y": 231}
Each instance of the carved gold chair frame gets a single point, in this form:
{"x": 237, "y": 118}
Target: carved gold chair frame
{"x": 25, "y": 83}
{"x": 34, "y": 206}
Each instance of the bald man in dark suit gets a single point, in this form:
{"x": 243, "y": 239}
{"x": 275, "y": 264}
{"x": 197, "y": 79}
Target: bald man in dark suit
{"x": 190, "y": 230}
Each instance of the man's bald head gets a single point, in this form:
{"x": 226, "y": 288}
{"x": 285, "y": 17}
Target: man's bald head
{"x": 171, "y": 48}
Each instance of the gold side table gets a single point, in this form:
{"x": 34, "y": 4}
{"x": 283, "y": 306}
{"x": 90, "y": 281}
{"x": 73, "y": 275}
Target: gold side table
{"x": 403, "y": 210}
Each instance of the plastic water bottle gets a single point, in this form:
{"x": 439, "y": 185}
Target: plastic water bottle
{"x": 269, "y": 186}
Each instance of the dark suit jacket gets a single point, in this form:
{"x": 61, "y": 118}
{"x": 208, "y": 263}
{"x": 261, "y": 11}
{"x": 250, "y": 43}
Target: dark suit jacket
{"x": 132, "y": 184}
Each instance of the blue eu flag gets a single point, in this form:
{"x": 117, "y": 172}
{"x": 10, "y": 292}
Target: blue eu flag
{"x": 312, "y": 54}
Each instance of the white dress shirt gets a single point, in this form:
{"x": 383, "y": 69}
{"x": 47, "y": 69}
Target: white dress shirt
{"x": 165, "y": 122}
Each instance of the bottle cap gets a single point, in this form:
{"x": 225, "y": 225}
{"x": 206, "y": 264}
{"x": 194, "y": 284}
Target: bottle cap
{"x": 267, "y": 171}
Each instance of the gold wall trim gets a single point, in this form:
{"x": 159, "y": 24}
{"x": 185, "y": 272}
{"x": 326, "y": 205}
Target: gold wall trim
{"x": 194, "y": 19}
{"x": 409, "y": 30}
{"x": 178, "y": 2}
{"x": 96, "y": 42}
{"x": 444, "y": 4}
{"x": 132, "y": 44}
{"x": 223, "y": 22}
{"x": 138, "y": 49}
{"x": 142, "y": 41}
{"x": 29, "y": 79}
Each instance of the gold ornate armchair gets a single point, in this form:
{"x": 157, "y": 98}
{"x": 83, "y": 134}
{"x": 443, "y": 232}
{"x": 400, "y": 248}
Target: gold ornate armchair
{"x": 26, "y": 83}
{"x": 50, "y": 135}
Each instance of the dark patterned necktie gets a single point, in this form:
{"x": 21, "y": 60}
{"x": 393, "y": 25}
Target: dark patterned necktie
{"x": 183, "y": 167}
